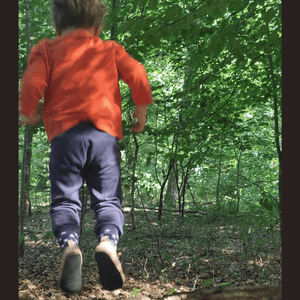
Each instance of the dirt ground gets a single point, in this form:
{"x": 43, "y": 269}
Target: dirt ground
{"x": 146, "y": 277}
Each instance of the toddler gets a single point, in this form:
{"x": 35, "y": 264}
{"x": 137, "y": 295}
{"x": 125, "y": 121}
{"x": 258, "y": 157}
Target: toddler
{"x": 77, "y": 74}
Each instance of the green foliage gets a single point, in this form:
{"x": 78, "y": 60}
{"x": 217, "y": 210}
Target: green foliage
{"x": 265, "y": 277}
{"x": 47, "y": 235}
{"x": 33, "y": 237}
{"x": 171, "y": 291}
{"x": 134, "y": 292}
{"x": 21, "y": 239}
{"x": 208, "y": 282}
{"x": 224, "y": 283}
{"x": 213, "y": 85}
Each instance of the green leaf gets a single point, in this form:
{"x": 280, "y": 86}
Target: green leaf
{"x": 181, "y": 157}
{"x": 33, "y": 237}
{"x": 190, "y": 18}
{"x": 134, "y": 29}
{"x": 48, "y": 234}
{"x": 267, "y": 49}
{"x": 235, "y": 6}
{"x": 21, "y": 239}
{"x": 157, "y": 87}
{"x": 208, "y": 282}
{"x": 169, "y": 14}
{"x": 125, "y": 27}
{"x": 269, "y": 15}
{"x": 273, "y": 38}
{"x": 171, "y": 291}
{"x": 135, "y": 292}
{"x": 143, "y": 2}
{"x": 143, "y": 49}
{"x": 224, "y": 283}
{"x": 155, "y": 42}
{"x": 152, "y": 4}
{"x": 263, "y": 30}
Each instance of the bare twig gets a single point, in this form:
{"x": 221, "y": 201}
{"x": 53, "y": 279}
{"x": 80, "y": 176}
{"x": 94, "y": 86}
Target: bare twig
{"x": 153, "y": 232}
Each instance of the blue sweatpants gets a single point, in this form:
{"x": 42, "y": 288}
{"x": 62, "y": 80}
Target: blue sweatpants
{"x": 84, "y": 152}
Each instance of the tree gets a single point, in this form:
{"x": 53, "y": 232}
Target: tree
{"x": 29, "y": 35}
{"x": 26, "y": 161}
{"x": 215, "y": 72}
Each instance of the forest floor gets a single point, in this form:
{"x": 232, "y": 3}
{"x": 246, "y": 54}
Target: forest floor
{"x": 157, "y": 260}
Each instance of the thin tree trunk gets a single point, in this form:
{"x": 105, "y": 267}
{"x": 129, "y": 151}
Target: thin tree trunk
{"x": 238, "y": 183}
{"x": 133, "y": 182}
{"x": 219, "y": 179}
{"x": 205, "y": 194}
{"x": 191, "y": 193}
{"x": 170, "y": 195}
{"x": 184, "y": 183}
{"x": 153, "y": 233}
{"x": 25, "y": 183}
{"x": 26, "y": 161}
{"x": 183, "y": 195}
{"x": 162, "y": 189}
{"x": 276, "y": 130}
{"x": 30, "y": 128}
{"x": 178, "y": 187}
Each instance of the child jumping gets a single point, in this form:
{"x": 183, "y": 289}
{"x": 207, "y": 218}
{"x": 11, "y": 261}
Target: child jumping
{"x": 77, "y": 74}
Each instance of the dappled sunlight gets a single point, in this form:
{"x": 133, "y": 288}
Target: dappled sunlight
{"x": 188, "y": 263}
{"x": 228, "y": 251}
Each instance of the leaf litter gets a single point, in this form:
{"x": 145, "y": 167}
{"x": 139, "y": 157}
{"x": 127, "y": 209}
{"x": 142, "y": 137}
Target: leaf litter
{"x": 173, "y": 259}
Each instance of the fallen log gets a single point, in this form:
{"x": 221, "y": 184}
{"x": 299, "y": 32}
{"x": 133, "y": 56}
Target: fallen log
{"x": 232, "y": 293}
{"x": 166, "y": 209}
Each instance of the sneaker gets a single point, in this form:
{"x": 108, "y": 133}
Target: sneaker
{"x": 110, "y": 269}
{"x": 70, "y": 277}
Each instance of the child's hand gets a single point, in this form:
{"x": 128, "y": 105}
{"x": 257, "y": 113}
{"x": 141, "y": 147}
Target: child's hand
{"x": 140, "y": 115}
{"x": 35, "y": 120}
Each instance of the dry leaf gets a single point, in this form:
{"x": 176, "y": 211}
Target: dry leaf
{"x": 31, "y": 286}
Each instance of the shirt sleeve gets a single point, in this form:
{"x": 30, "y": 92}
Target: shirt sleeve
{"x": 33, "y": 82}
{"x": 134, "y": 74}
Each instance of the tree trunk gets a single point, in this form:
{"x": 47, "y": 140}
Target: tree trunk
{"x": 178, "y": 187}
{"x": 276, "y": 130}
{"x": 25, "y": 204}
{"x": 171, "y": 193}
{"x": 238, "y": 154}
{"x": 160, "y": 208}
{"x": 171, "y": 210}
{"x": 219, "y": 179}
{"x": 238, "y": 183}
{"x": 133, "y": 182}
{"x": 191, "y": 193}
{"x": 183, "y": 194}
{"x": 25, "y": 183}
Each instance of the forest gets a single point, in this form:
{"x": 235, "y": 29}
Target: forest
{"x": 201, "y": 186}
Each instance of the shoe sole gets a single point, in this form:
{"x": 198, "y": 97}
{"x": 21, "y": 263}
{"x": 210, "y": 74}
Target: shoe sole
{"x": 71, "y": 278}
{"x": 110, "y": 277}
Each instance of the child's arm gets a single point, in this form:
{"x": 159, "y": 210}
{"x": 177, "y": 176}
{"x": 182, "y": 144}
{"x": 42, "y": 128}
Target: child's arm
{"x": 34, "y": 120}
{"x": 33, "y": 84}
{"x": 134, "y": 74}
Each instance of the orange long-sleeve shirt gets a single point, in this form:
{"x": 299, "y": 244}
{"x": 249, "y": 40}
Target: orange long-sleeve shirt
{"x": 78, "y": 76}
